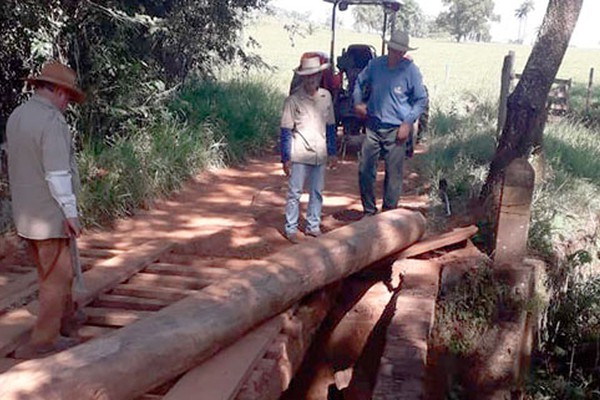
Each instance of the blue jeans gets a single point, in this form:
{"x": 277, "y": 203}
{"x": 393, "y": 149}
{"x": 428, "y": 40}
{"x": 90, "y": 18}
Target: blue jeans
{"x": 300, "y": 173}
{"x": 381, "y": 142}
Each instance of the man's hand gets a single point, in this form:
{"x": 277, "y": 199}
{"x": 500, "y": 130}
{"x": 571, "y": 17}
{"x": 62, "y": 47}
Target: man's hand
{"x": 361, "y": 110}
{"x": 72, "y": 227}
{"x": 403, "y": 132}
{"x": 287, "y": 168}
{"x": 332, "y": 162}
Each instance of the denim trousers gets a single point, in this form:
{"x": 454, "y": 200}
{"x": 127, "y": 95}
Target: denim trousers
{"x": 381, "y": 142}
{"x": 314, "y": 176}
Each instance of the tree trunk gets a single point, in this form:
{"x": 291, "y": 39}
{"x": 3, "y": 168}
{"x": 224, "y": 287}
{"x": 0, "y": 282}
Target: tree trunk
{"x": 526, "y": 115}
{"x": 127, "y": 363}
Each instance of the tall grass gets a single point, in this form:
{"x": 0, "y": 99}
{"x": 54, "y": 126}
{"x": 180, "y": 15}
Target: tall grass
{"x": 208, "y": 124}
{"x": 246, "y": 113}
{"x": 564, "y": 230}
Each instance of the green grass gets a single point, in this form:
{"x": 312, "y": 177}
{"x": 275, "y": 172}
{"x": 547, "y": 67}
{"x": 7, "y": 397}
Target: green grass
{"x": 246, "y": 113}
{"x": 208, "y": 124}
{"x": 447, "y": 67}
{"x": 463, "y": 82}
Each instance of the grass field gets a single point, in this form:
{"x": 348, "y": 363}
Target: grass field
{"x": 446, "y": 66}
{"x": 463, "y": 81}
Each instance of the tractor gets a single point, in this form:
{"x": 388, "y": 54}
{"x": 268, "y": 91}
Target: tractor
{"x": 341, "y": 77}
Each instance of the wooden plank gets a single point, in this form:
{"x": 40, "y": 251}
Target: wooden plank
{"x": 286, "y": 352}
{"x": 219, "y": 263}
{"x": 405, "y": 349}
{"x": 18, "y": 290}
{"x": 181, "y": 282}
{"x": 107, "y": 274}
{"x": 129, "y": 303}
{"x": 8, "y": 363}
{"x": 175, "y": 339}
{"x": 88, "y": 332}
{"x": 455, "y": 236}
{"x": 150, "y": 292}
{"x": 221, "y": 376}
{"x": 100, "y": 253}
{"x": 113, "y": 317}
{"x": 186, "y": 270}
{"x": 19, "y": 269}
{"x": 14, "y": 327}
{"x": 87, "y": 243}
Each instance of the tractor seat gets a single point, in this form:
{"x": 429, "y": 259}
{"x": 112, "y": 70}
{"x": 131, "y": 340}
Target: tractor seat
{"x": 356, "y": 56}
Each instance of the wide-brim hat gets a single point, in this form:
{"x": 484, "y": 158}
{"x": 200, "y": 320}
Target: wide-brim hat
{"x": 311, "y": 66}
{"x": 400, "y": 42}
{"x": 58, "y": 74}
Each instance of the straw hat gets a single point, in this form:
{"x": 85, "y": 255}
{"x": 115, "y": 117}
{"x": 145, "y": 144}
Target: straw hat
{"x": 60, "y": 75}
{"x": 399, "y": 41}
{"x": 311, "y": 66}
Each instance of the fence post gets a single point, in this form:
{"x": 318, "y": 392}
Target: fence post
{"x": 512, "y": 225}
{"x": 589, "y": 91}
{"x": 507, "y": 75}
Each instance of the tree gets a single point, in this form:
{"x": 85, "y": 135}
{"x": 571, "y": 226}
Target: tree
{"x": 526, "y": 114}
{"x": 467, "y": 19}
{"x": 409, "y": 18}
{"x": 368, "y": 18}
{"x": 522, "y": 12}
{"x": 127, "y": 54}
{"x": 18, "y": 19}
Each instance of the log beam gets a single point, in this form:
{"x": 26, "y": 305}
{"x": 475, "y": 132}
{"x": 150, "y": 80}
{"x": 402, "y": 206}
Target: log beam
{"x": 136, "y": 358}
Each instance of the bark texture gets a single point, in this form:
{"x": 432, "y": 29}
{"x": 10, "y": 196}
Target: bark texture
{"x": 127, "y": 363}
{"x": 526, "y": 115}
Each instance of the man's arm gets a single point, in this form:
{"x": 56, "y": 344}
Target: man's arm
{"x": 61, "y": 189}
{"x": 360, "y": 108}
{"x": 285, "y": 135}
{"x": 55, "y": 160}
{"x": 419, "y": 98}
{"x": 285, "y": 140}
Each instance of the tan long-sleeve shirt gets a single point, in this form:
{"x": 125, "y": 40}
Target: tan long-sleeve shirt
{"x": 39, "y": 141}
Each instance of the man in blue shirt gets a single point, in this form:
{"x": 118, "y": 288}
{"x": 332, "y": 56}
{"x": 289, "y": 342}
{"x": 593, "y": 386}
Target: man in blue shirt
{"x": 396, "y": 99}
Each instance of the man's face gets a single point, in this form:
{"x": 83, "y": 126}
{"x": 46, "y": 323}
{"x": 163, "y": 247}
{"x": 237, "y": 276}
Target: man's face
{"x": 63, "y": 97}
{"x": 395, "y": 55}
{"x": 311, "y": 82}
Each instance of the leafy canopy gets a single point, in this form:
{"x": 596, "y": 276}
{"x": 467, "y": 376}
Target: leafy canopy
{"x": 409, "y": 18}
{"x": 467, "y": 19}
{"x": 127, "y": 54}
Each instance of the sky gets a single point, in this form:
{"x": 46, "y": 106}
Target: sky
{"x": 586, "y": 34}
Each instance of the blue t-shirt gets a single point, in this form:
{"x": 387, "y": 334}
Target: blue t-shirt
{"x": 397, "y": 95}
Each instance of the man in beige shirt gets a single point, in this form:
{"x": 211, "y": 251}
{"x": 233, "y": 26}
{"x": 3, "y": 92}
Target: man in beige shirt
{"x": 307, "y": 145}
{"x": 43, "y": 182}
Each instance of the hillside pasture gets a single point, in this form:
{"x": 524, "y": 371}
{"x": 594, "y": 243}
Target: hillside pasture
{"x": 447, "y": 67}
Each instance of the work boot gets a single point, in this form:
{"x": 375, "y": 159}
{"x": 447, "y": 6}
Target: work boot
{"x": 30, "y": 351}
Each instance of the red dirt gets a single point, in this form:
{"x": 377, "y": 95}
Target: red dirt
{"x": 234, "y": 213}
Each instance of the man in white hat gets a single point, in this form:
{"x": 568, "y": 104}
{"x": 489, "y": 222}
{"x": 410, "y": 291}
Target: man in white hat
{"x": 43, "y": 180}
{"x": 397, "y": 99}
{"x": 307, "y": 145}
